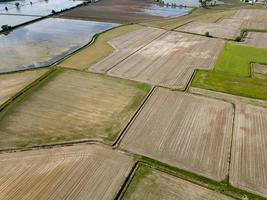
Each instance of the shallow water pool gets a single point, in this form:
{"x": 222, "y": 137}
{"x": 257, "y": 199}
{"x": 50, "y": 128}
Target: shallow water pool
{"x": 45, "y": 42}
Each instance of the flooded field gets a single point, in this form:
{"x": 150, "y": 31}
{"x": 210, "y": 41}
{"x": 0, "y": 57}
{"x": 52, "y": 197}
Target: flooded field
{"x": 191, "y": 3}
{"x": 28, "y": 10}
{"x": 42, "y": 43}
{"x": 166, "y": 11}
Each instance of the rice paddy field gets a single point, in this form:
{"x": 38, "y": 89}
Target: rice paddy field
{"x": 257, "y": 39}
{"x": 169, "y": 60}
{"x": 218, "y": 29}
{"x": 248, "y": 162}
{"x": 80, "y": 172}
{"x": 172, "y": 122}
{"x": 11, "y": 84}
{"x": 150, "y": 110}
{"x": 45, "y": 42}
{"x": 70, "y": 105}
{"x": 152, "y": 184}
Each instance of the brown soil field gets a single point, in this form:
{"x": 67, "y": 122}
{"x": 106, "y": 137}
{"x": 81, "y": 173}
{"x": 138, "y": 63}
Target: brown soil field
{"x": 170, "y": 60}
{"x": 257, "y": 39}
{"x": 123, "y": 11}
{"x": 228, "y": 97}
{"x": 72, "y": 105}
{"x": 252, "y": 14}
{"x": 255, "y": 25}
{"x": 11, "y": 84}
{"x": 248, "y": 160}
{"x": 258, "y": 68}
{"x": 79, "y": 172}
{"x": 183, "y": 130}
{"x": 156, "y": 185}
{"x": 126, "y": 45}
{"x": 101, "y": 48}
{"x": 215, "y": 29}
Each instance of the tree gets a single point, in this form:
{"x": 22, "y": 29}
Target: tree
{"x": 204, "y": 3}
{"x": 17, "y": 4}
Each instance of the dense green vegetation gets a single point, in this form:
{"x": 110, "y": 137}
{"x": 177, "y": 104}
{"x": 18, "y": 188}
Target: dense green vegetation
{"x": 232, "y": 74}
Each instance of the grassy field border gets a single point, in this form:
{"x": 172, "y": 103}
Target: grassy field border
{"x": 222, "y": 187}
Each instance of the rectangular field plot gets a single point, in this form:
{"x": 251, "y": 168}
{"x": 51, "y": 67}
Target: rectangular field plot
{"x": 215, "y": 29}
{"x": 183, "y": 130}
{"x": 11, "y": 84}
{"x": 70, "y": 106}
{"x": 249, "y": 152}
{"x": 79, "y": 172}
{"x": 169, "y": 60}
{"x": 156, "y": 185}
{"x": 125, "y": 45}
{"x": 259, "y": 68}
{"x": 257, "y": 39}
{"x": 251, "y": 14}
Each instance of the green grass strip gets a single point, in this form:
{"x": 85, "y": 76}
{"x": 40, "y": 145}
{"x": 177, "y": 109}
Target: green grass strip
{"x": 236, "y": 59}
{"x": 233, "y": 84}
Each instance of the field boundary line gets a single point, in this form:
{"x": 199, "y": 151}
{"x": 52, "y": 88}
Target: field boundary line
{"x": 26, "y": 88}
{"x": 120, "y": 136}
{"x": 139, "y": 49}
{"x": 231, "y": 145}
{"x": 127, "y": 182}
{"x": 188, "y": 85}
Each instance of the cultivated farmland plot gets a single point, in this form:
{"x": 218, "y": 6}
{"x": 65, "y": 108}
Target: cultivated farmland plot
{"x": 254, "y": 25}
{"x": 11, "y": 84}
{"x": 183, "y": 130}
{"x": 251, "y": 14}
{"x": 169, "y": 60}
{"x": 257, "y": 39}
{"x": 79, "y": 172}
{"x": 248, "y": 160}
{"x": 126, "y": 45}
{"x": 156, "y": 185}
{"x": 215, "y": 29}
{"x": 71, "y": 105}
{"x": 258, "y": 68}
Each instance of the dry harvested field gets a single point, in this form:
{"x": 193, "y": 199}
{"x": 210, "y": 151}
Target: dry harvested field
{"x": 248, "y": 160}
{"x": 125, "y": 45}
{"x": 258, "y": 68}
{"x": 183, "y": 130}
{"x": 252, "y": 14}
{"x": 170, "y": 60}
{"x": 123, "y": 11}
{"x": 254, "y": 25}
{"x": 11, "y": 84}
{"x": 156, "y": 185}
{"x": 71, "y": 105}
{"x": 257, "y": 39}
{"x": 79, "y": 172}
{"x": 215, "y": 29}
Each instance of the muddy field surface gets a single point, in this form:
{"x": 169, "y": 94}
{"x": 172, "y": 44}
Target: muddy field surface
{"x": 215, "y": 29}
{"x": 156, "y": 185}
{"x": 126, "y": 45}
{"x": 248, "y": 160}
{"x": 183, "y": 130}
{"x": 255, "y": 25}
{"x": 123, "y": 11}
{"x": 11, "y": 84}
{"x": 258, "y": 68}
{"x": 81, "y": 172}
{"x": 71, "y": 105}
{"x": 170, "y": 60}
{"x": 252, "y": 14}
{"x": 257, "y": 39}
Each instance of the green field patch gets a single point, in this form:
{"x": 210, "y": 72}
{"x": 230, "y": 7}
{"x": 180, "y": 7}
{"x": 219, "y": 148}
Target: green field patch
{"x": 232, "y": 73}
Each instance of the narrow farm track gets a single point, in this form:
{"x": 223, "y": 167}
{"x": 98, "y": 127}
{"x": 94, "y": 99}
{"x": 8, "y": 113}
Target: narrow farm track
{"x": 248, "y": 163}
{"x": 78, "y": 172}
{"x": 183, "y": 130}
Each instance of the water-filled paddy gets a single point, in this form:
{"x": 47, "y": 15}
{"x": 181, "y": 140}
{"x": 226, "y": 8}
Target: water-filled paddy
{"x": 13, "y": 20}
{"x": 166, "y": 11}
{"x": 191, "y": 3}
{"x": 43, "y": 43}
